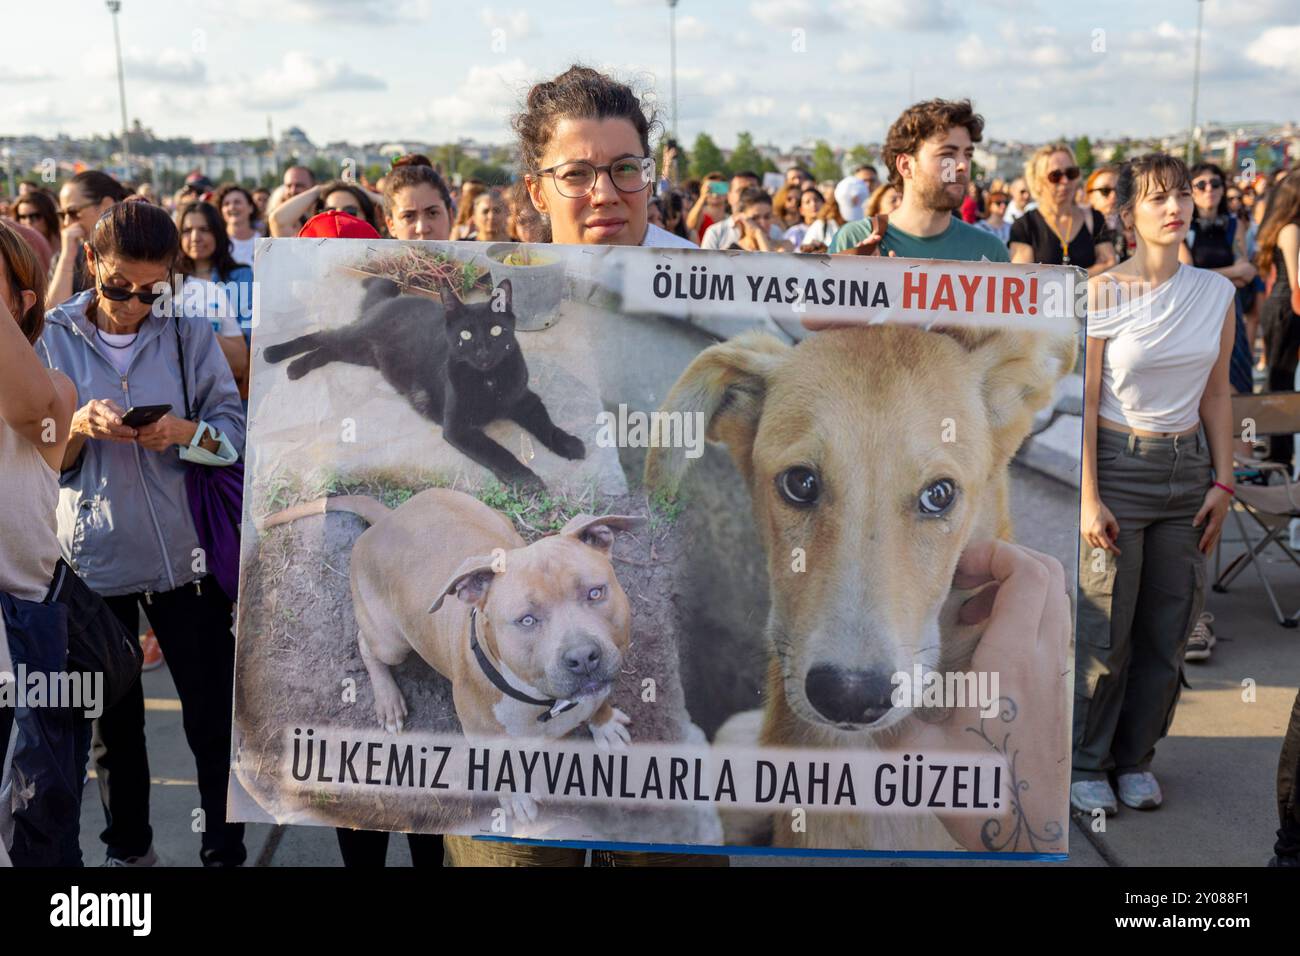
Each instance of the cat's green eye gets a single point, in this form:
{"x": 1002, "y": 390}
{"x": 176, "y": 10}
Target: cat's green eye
{"x": 466, "y": 334}
{"x": 495, "y": 330}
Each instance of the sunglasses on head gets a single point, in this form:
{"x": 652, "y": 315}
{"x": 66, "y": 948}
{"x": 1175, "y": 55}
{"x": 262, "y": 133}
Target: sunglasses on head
{"x": 1104, "y": 190}
{"x": 1056, "y": 175}
{"x": 1203, "y": 184}
{"x": 115, "y": 294}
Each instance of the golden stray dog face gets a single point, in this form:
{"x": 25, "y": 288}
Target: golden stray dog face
{"x": 553, "y": 613}
{"x": 873, "y": 456}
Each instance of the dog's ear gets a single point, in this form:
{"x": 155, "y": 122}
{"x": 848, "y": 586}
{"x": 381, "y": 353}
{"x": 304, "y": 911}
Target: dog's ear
{"x": 1021, "y": 369}
{"x": 599, "y": 532}
{"x": 725, "y": 383}
{"x": 470, "y": 582}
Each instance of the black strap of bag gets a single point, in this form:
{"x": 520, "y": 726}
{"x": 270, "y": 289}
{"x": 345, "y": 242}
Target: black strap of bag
{"x": 98, "y": 643}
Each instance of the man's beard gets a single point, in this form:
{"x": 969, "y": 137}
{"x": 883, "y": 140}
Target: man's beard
{"x": 933, "y": 195}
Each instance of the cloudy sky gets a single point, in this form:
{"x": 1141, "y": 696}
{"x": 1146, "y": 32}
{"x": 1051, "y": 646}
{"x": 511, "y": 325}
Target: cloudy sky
{"x": 787, "y": 70}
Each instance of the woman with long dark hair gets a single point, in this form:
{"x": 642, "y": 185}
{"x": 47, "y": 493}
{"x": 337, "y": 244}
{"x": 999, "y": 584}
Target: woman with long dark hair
{"x": 1214, "y": 242}
{"x": 239, "y": 212}
{"x": 1279, "y": 249}
{"x": 216, "y": 287}
{"x": 125, "y": 522}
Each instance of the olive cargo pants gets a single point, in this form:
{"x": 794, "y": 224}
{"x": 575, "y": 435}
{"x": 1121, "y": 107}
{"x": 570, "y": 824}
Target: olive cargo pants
{"x": 1137, "y": 609}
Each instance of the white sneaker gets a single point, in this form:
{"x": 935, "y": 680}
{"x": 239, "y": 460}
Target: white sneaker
{"x": 1090, "y": 795}
{"x": 1202, "y": 640}
{"x": 1139, "y": 791}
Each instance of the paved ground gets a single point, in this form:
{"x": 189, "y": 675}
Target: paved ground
{"x": 1217, "y": 766}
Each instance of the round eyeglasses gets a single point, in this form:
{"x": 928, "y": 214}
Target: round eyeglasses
{"x": 629, "y": 174}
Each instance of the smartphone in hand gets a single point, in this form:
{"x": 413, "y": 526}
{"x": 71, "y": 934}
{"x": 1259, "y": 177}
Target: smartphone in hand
{"x": 137, "y": 416}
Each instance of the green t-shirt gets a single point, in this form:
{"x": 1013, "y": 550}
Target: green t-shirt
{"x": 959, "y": 241}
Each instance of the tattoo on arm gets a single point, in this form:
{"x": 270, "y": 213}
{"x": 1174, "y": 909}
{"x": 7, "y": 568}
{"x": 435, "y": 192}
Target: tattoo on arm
{"x": 1019, "y": 832}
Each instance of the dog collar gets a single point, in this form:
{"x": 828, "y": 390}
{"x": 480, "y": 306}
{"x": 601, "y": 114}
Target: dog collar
{"x": 553, "y": 706}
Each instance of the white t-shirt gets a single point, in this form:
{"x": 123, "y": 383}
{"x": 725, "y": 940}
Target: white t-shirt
{"x": 823, "y": 231}
{"x": 725, "y": 234}
{"x": 204, "y": 299}
{"x": 659, "y": 238}
{"x": 851, "y": 193}
{"x": 1160, "y": 349}
{"x": 241, "y": 250}
{"x": 118, "y": 348}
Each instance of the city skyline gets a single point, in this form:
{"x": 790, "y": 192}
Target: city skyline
{"x": 799, "y": 70}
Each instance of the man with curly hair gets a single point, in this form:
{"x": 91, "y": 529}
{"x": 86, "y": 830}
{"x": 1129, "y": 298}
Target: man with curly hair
{"x": 928, "y": 158}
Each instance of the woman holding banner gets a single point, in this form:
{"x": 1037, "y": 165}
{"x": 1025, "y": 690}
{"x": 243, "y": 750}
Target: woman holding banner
{"x": 1157, "y": 485}
{"x": 584, "y": 140}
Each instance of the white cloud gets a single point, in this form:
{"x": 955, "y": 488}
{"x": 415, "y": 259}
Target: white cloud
{"x": 1277, "y": 47}
{"x": 855, "y": 61}
{"x": 791, "y": 14}
{"x": 10, "y": 74}
{"x": 168, "y": 66}
{"x": 480, "y": 105}
{"x": 297, "y": 76}
{"x": 693, "y": 28}
{"x": 353, "y": 12}
{"x": 918, "y": 16}
{"x": 516, "y": 24}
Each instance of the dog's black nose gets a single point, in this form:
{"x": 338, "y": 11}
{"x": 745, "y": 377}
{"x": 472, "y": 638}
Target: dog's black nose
{"x": 582, "y": 658}
{"x": 848, "y": 697}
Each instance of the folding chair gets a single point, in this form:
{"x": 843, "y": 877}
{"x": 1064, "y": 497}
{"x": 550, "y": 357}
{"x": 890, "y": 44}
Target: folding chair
{"x": 1271, "y": 506}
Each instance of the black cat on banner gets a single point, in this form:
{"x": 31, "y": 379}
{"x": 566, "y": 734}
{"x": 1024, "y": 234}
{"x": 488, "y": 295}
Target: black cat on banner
{"x": 456, "y": 364}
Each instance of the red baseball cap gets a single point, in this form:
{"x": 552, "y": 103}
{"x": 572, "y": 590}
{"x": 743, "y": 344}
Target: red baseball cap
{"x": 336, "y": 224}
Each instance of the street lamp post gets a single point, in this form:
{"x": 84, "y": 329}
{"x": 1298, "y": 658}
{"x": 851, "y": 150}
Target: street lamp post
{"x": 672, "y": 57}
{"x": 115, "y": 7}
{"x": 1196, "y": 81}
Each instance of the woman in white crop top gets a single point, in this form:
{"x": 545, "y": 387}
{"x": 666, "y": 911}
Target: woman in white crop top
{"x": 1156, "y": 484}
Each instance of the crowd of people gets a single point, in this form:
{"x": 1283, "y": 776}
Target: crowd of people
{"x": 122, "y": 423}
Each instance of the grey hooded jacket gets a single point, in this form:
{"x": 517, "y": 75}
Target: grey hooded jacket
{"x": 125, "y": 524}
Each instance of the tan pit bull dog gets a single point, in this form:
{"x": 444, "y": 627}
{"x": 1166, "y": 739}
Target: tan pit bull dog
{"x": 536, "y": 634}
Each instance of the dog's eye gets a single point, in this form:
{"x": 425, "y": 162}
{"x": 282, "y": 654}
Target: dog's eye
{"x": 938, "y": 497}
{"x": 495, "y": 331}
{"x": 526, "y": 621}
{"x": 799, "y": 485}
{"x": 595, "y": 594}
{"x": 466, "y": 335}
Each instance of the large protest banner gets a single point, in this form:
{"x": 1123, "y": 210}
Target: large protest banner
{"x": 638, "y": 546}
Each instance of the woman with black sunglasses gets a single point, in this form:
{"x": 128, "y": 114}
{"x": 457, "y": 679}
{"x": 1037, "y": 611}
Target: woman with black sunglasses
{"x": 125, "y": 523}
{"x": 1103, "y": 197}
{"x": 1058, "y": 232}
{"x": 82, "y": 200}
{"x": 36, "y": 210}
{"x": 1213, "y": 240}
